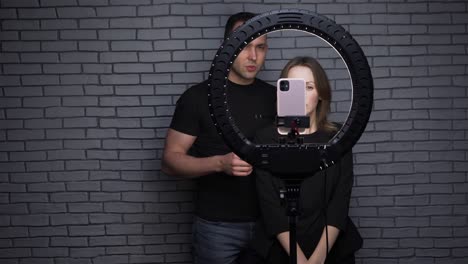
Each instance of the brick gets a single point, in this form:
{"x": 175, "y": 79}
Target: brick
{"x": 86, "y": 252}
{"x": 82, "y": 165}
{"x": 430, "y": 60}
{"x": 395, "y": 190}
{"x": 36, "y": 13}
{"x": 102, "y": 154}
{"x": 48, "y": 231}
{"x": 26, "y": 3}
{"x": 393, "y": 146}
{"x": 12, "y": 146}
{"x": 69, "y": 241}
{"x": 14, "y": 91}
{"x": 116, "y": 34}
{"x": 154, "y": 56}
{"x": 136, "y": 2}
{"x": 124, "y": 229}
{"x": 411, "y": 156}
{"x": 68, "y": 90}
{"x": 45, "y": 166}
{"x": 28, "y": 177}
{"x": 435, "y": 166}
{"x": 64, "y": 112}
{"x": 160, "y": 229}
{"x": 412, "y": 221}
{"x": 100, "y": 111}
{"x": 69, "y": 197}
{"x": 443, "y": 29}
{"x": 91, "y": 23}
{"x": 101, "y": 133}
{"x": 120, "y": 79}
{"x": 47, "y": 208}
{"x": 122, "y": 165}
{"x": 62, "y": 68}
{"x": 434, "y": 145}
{"x": 90, "y": 45}
{"x": 161, "y": 249}
{"x": 156, "y": 100}
{"x": 432, "y": 210}
{"x": 146, "y": 258}
{"x": 18, "y": 208}
{"x": 76, "y": 12}
{"x": 168, "y": 21}
{"x": 145, "y": 240}
{"x": 31, "y": 242}
{"x": 100, "y": 218}
{"x": 134, "y": 90}
{"x": 130, "y": 23}
{"x": 120, "y": 123}
{"x": 68, "y": 176}
{"x": 39, "y": 35}
{"x": 79, "y": 57}
{"x": 133, "y": 67}
{"x": 88, "y": 230}
{"x": 140, "y": 196}
{"x": 448, "y": 220}
{"x": 102, "y": 197}
{"x": 433, "y": 252}
{"x": 40, "y": 80}
{"x": 69, "y": 219}
{"x": 64, "y": 133}
{"x": 112, "y": 57}
{"x": 107, "y": 241}
{"x": 15, "y": 252}
{"x": 73, "y": 260}
{"x": 138, "y": 133}
{"x": 80, "y": 122}
{"x": 156, "y": 122}
{"x": 441, "y": 199}
{"x": 58, "y": 24}
{"x": 28, "y": 197}
{"x": 21, "y": 68}
{"x": 132, "y": 45}
{"x": 123, "y": 207}
{"x": 137, "y": 155}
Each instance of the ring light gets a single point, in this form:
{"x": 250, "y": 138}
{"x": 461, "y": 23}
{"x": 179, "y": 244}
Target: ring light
{"x": 292, "y": 159}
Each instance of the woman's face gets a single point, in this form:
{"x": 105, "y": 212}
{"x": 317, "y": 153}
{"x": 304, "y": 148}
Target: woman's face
{"x": 312, "y": 96}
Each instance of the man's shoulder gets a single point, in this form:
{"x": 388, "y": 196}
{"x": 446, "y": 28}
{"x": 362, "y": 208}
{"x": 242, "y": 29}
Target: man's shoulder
{"x": 196, "y": 90}
{"x": 262, "y": 83}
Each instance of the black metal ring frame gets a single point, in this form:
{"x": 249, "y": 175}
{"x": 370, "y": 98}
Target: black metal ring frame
{"x": 299, "y": 158}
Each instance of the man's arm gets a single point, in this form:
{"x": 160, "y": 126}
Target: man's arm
{"x": 177, "y": 162}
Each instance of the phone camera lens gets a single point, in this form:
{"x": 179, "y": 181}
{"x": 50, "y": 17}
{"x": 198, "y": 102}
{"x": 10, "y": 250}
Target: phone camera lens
{"x": 284, "y": 86}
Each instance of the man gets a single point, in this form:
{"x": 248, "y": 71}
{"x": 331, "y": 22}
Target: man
{"x": 226, "y": 198}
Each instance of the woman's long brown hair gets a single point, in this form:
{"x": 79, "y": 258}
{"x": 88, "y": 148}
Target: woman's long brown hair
{"x": 323, "y": 89}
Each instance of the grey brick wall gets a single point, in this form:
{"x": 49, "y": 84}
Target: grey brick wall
{"x": 88, "y": 89}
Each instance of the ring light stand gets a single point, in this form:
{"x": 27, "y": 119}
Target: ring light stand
{"x": 292, "y": 162}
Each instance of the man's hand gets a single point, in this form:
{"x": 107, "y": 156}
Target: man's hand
{"x": 235, "y": 166}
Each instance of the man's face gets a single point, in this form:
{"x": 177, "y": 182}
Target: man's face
{"x": 249, "y": 61}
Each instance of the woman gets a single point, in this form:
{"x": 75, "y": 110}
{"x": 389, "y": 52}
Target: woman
{"x": 324, "y": 201}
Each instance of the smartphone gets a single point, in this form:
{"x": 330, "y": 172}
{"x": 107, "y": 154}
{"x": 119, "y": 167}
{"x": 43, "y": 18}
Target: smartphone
{"x": 291, "y": 100}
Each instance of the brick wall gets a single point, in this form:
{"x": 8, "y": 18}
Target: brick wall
{"x": 88, "y": 89}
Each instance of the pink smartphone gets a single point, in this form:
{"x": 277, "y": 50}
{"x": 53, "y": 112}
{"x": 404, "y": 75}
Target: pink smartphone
{"x": 291, "y": 96}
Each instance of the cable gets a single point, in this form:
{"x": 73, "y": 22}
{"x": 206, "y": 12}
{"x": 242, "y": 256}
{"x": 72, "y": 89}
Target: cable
{"x": 325, "y": 209}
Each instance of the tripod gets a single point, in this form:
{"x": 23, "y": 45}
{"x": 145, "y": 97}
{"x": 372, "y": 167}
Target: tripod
{"x": 291, "y": 193}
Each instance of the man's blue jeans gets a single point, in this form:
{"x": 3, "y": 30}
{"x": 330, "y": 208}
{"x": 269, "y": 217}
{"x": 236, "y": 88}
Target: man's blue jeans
{"x": 219, "y": 242}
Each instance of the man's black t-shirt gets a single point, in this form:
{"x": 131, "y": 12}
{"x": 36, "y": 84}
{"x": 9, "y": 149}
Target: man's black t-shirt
{"x": 222, "y": 197}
